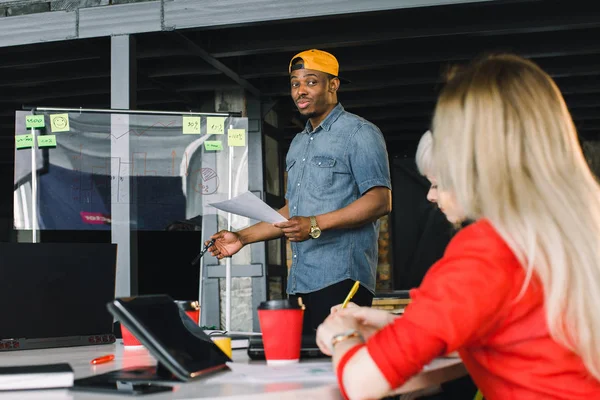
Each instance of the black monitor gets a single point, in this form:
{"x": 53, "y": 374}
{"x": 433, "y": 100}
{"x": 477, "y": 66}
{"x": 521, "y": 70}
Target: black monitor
{"x": 55, "y": 294}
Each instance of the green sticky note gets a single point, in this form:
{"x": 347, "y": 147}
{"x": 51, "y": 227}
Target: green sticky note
{"x": 213, "y": 145}
{"x": 24, "y": 141}
{"x": 34, "y": 121}
{"x": 236, "y": 137}
{"x": 47, "y": 141}
{"x": 59, "y": 122}
{"x": 215, "y": 125}
{"x": 191, "y": 125}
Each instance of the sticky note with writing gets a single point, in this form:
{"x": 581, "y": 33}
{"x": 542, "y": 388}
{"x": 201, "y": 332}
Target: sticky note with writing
{"x": 236, "y": 137}
{"x": 34, "y": 121}
{"x": 24, "y": 141}
{"x": 215, "y": 125}
{"x": 59, "y": 122}
{"x": 47, "y": 141}
{"x": 191, "y": 125}
{"x": 213, "y": 145}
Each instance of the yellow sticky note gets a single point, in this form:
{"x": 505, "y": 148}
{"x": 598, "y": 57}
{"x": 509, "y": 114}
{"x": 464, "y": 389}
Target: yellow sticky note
{"x": 213, "y": 145}
{"x": 215, "y": 125}
{"x": 191, "y": 125}
{"x": 59, "y": 122}
{"x": 236, "y": 137}
{"x": 47, "y": 141}
{"x": 34, "y": 121}
{"x": 24, "y": 141}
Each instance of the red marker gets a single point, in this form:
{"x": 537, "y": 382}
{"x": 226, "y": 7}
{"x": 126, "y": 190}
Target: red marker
{"x": 103, "y": 359}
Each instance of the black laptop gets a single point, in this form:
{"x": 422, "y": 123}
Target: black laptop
{"x": 308, "y": 348}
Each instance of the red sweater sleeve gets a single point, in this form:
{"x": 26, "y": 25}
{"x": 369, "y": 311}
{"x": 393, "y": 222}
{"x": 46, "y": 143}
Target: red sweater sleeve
{"x": 462, "y": 298}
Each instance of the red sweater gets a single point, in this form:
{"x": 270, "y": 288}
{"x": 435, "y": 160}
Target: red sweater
{"x": 466, "y": 302}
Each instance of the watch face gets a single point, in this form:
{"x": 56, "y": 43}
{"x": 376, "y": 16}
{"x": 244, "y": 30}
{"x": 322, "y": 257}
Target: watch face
{"x": 315, "y": 233}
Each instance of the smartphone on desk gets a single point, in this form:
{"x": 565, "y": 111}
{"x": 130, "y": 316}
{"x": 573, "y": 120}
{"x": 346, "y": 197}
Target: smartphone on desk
{"x": 107, "y": 383}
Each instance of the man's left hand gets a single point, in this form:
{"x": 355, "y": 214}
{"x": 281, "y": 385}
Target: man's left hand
{"x": 296, "y": 229}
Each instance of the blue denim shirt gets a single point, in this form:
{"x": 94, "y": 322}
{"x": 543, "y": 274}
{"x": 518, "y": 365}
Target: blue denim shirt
{"x": 328, "y": 169}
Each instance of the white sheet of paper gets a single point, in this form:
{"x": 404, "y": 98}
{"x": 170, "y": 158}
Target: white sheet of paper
{"x": 300, "y": 372}
{"x": 249, "y": 205}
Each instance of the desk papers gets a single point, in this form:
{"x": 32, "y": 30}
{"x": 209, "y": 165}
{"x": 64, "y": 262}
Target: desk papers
{"x": 249, "y": 205}
{"x": 300, "y": 372}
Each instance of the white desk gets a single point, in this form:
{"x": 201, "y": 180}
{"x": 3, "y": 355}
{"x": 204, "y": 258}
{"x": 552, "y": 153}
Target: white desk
{"x": 441, "y": 370}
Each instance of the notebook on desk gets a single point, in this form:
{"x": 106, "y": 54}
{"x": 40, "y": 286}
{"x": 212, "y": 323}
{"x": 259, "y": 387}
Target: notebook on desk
{"x": 308, "y": 348}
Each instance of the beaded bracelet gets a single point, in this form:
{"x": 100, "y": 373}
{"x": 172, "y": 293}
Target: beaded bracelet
{"x": 342, "y": 363}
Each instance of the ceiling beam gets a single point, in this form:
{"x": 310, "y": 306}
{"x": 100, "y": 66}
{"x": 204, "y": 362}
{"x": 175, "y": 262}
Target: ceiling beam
{"x": 489, "y": 19}
{"x": 33, "y": 77}
{"x": 208, "y": 58}
{"x": 439, "y": 51}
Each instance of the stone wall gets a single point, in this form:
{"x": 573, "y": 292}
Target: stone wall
{"x": 9, "y": 8}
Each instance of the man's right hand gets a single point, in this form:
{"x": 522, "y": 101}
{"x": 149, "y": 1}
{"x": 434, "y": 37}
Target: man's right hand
{"x": 226, "y": 244}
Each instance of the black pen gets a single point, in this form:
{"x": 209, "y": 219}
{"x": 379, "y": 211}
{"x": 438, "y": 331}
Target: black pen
{"x": 204, "y": 250}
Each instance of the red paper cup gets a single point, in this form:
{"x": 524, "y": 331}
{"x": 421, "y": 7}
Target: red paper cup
{"x": 191, "y": 308}
{"x": 128, "y": 338}
{"x": 281, "y": 327}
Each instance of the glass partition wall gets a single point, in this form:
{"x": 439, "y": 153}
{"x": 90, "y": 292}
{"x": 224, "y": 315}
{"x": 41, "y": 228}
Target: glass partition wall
{"x": 143, "y": 180}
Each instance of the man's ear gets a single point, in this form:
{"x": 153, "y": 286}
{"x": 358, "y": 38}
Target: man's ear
{"x": 334, "y": 84}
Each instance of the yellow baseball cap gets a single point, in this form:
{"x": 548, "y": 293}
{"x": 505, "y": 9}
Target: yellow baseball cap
{"x": 318, "y": 60}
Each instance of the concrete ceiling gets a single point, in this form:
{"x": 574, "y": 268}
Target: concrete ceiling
{"x": 394, "y": 59}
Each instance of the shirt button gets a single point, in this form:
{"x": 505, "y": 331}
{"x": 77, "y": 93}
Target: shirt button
{"x": 311, "y": 138}
{"x": 304, "y": 159}
{"x": 294, "y": 207}
{"x": 298, "y": 184}
{"x": 319, "y": 163}
{"x": 294, "y": 255}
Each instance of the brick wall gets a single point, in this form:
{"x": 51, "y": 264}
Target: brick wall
{"x": 384, "y": 269}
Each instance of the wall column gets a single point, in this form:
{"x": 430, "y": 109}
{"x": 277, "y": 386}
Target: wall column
{"x": 123, "y": 71}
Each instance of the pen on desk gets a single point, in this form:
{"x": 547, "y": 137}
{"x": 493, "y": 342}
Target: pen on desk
{"x": 103, "y": 359}
{"x": 204, "y": 250}
{"x": 351, "y": 294}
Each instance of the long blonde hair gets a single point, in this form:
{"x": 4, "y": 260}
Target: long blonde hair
{"x": 506, "y": 146}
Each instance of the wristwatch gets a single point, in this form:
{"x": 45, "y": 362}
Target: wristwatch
{"x": 352, "y": 333}
{"x": 315, "y": 231}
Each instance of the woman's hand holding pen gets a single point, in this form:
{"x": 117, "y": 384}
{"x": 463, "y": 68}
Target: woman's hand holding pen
{"x": 333, "y": 325}
{"x": 226, "y": 244}
{"x": 370, "y": 317}
{"x": 369, "y": 320}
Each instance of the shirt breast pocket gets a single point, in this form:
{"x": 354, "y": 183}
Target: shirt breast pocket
{"x": 292, "y": 173}
{"x": 320, "y": 172}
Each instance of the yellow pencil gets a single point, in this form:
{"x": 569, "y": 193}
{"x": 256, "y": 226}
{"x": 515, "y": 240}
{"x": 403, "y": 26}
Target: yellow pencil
{"x": 351, "y": 294}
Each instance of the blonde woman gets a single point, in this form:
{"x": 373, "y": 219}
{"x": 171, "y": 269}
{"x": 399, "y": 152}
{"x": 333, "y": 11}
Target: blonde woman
{"x": 462, "y": 387}
{"x": 516, "y": 292}
{"x": 424, "y": 161}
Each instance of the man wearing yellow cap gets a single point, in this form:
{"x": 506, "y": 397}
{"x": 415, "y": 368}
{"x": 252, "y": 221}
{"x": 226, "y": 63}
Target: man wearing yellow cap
{"x": 338, "y": 186}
